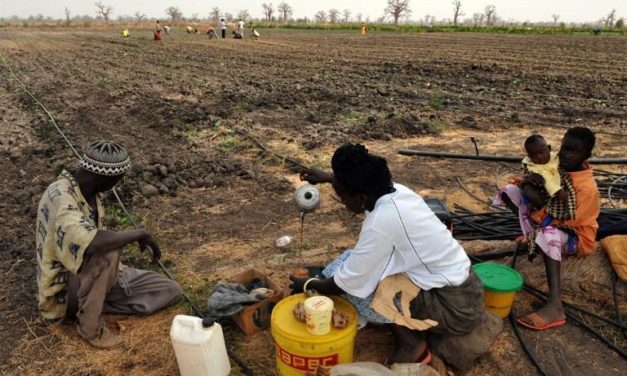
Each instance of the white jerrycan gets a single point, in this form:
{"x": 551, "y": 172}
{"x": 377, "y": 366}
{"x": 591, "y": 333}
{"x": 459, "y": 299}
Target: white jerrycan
{"x": 199, "y": 347}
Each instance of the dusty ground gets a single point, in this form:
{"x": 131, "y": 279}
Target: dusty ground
{"x": 223, "y": 202}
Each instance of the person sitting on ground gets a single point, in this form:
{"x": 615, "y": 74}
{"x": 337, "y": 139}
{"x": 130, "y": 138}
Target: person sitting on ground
{"x": 166, "y": 28}
{"x": 78, "y": 270}
{"x": 236, "y": 35}
{"x": 555, "y": 237}
{"x": 399, "y": 236}
{"x": 255, "y": 33}
{"x": 189, "y": 29}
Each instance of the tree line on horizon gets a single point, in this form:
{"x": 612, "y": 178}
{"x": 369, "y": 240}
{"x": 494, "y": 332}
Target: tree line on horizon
{"x": 395, "y": 12}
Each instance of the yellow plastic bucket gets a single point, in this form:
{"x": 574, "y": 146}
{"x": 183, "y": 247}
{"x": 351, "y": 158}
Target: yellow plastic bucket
{"x": 500, "y": 284}
{"x": 297, "y": 351}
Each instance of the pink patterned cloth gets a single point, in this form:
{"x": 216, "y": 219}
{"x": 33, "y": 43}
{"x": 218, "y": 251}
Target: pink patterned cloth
{"x": 551, "y": 240}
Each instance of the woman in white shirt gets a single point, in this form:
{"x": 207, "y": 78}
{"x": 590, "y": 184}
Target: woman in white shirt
{"x": 400, "y": 235}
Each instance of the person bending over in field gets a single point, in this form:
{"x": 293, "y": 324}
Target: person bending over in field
{"x": 79, "y": 274}
{"x": 555, "y": 229}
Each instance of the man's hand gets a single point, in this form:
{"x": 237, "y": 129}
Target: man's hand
{"x": 315, "y": 176}
{"x": 147, "y": 241}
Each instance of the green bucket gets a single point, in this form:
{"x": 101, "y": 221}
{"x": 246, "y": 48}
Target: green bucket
{"x": 500, "y": 283}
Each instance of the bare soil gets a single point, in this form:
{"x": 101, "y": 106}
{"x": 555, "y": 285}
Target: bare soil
{"x": 219, "y": 202}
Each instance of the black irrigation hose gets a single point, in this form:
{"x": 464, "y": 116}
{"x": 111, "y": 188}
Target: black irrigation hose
{"x": 495, "y": 158}
{"x": 247, "y": 371}
{"x": 523, "y": 343}
{"x": 580, "y": 322}
{"x": 577, "y": 308}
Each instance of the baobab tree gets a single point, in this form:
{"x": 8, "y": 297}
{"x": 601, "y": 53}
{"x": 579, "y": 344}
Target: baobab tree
{"x": 490, "y": 14}
{"x": 175, "y": 14}
{"x": 457, "y": 11}
{"x": 268, "y": 11}
{"x": 347, "y": 15}
{"x": 333, "y": 15}
{"x": 285, "y": 10}
{"x": 104, "y": 10}
{"x": 215, "y": 14}
{"x": 609, "y": 20}
{"x": 243, "y": 15}
{"x": 68, "y": 16}
{"x": 556, "y": 18}
{"x": 321, "y": 16}
{"x": 397, "y": 9}
{"x": 477, "y": 19}
{"x": 139, "y": 17}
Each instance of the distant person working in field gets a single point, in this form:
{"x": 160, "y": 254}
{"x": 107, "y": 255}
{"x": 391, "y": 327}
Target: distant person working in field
{"x": 558, "y": 228}
{"x": 79, "y": 274}
{"x": 223, "y": 27}
{"x": 363, "y": 28}
{"x": 240, "y": 27}
{"x": 125, "y": 33}
{"x": 255, "y": 33}
{"x": 212, "y": 33}
{"x": 237, "y": 35}
{"x": 157, "y": 32}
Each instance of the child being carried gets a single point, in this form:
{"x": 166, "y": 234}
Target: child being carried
{"x": 541, "y": 161}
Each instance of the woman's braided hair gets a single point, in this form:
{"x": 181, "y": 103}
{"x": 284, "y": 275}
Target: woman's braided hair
{"x": 361, "y": 172}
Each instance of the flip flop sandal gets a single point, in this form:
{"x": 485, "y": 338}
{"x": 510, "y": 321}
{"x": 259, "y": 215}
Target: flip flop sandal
{"x": 538, "y": 323}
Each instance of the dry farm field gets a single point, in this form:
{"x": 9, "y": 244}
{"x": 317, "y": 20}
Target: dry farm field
{"x": 216, "y": 201}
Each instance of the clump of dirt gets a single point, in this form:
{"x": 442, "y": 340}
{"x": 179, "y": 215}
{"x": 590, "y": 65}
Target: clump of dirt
{"x": 392, "y": 126}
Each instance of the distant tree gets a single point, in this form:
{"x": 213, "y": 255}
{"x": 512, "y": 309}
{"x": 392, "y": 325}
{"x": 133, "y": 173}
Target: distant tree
{"x": 556, "y": 18}
{"x": 457, "y": 11}
{"x": 243, "y": 15}
{"x": 321, "y": 16}
{"x": 194, "y": 17}
{"x": 215, "y": 14}
{"x": 359, "y": 17}
{"x": 175, "y": 14}
{"x": 333, "y": 15}
{"x": 68, "y": 16}
{"x": 609, "y": 20}
{"x": 285, "y": 10}
{"x": 347, "y": 15}
{"x": 139, "y": 17}
{"x": 490, "y": 15}
{"x": 477, "y": 19}
{"x": 268, "y": 11}
{"x": 620, "y": 23}
{"x": 397, "y": 9}
{"x": 228, "y": 16}
{"x": 104, "y": 11}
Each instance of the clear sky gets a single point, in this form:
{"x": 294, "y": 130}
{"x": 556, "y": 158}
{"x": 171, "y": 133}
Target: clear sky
{"x": 520, "y": 10}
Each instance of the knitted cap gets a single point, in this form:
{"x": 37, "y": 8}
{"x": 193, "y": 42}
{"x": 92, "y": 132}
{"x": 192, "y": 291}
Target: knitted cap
{"x": 106, "y": 157}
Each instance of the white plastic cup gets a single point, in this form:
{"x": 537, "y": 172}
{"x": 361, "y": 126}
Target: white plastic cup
{"x": 318, "y": 315}
{"x": 284, "y": 241}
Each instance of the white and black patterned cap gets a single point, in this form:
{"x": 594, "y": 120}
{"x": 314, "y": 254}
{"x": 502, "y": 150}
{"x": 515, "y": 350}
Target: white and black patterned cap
{"x": 106, "y": 157}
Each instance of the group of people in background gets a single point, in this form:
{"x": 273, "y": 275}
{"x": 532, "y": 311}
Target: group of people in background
{"x": 211, "y": 32}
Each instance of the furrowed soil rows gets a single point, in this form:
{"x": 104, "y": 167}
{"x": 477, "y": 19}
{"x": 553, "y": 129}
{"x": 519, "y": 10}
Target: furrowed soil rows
{"x": 216, "y": 201}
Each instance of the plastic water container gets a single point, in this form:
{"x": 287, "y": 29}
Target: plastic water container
{"x": 199, "y": 347}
